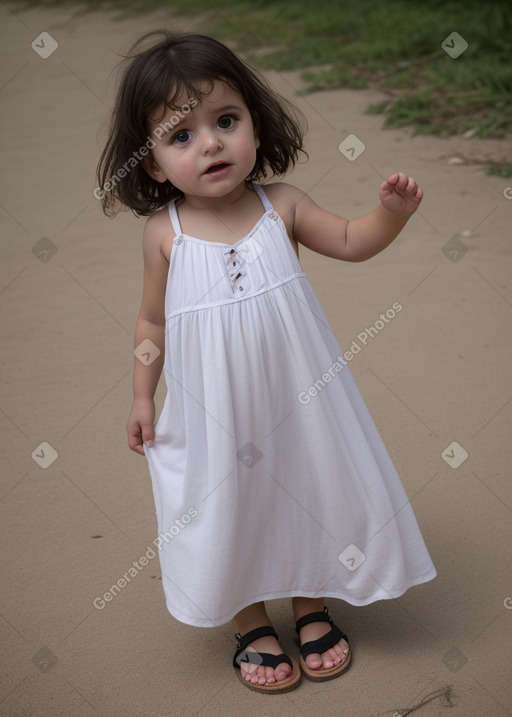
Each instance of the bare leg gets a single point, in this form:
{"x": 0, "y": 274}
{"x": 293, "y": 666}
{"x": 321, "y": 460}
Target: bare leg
{"x": 337, "y": 654}
{"x": 249, "y": 619}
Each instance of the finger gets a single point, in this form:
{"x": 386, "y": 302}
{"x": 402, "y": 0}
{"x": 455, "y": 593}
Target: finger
{"x": 134, "y": 439}
{"x": 135, "y": 444}
{"x": 412, "y": 187}
{"x": 148, "y": 434}
{"x": 387, "y": 188}
{"x": 392, "y": 179}
{"x": 402, "y": 181}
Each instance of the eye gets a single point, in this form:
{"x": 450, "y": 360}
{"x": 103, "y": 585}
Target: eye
{"x": 227, "y": 121}
{"x": 181, "y": 137}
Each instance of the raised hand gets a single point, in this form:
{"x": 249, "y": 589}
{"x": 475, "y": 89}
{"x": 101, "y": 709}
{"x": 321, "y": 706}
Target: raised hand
{"x": 400, "y": 193}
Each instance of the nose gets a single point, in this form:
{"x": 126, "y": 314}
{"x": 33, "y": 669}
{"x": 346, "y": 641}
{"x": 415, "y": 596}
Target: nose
{"x": 211, "y": 143}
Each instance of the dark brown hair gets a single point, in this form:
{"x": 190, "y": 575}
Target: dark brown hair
{"x": 158, "y": 76}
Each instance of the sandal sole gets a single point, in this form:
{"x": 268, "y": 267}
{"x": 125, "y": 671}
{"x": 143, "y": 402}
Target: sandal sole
{"x": 274, "y": 688}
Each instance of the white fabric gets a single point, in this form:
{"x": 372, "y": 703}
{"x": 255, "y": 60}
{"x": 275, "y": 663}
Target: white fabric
{"x": 258, "y": 493}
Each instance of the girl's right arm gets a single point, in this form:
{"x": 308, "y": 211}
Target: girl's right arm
{"x": 150, "y": 326}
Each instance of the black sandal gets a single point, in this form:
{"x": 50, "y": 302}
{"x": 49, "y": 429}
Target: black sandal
{"x": 253, "y": 657}
{"x": 321, "y": 645}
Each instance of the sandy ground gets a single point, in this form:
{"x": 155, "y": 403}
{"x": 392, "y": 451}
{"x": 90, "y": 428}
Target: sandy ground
{"x": 438, "y": 374}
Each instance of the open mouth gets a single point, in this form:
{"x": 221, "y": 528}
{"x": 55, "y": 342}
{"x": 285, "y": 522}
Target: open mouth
{"x": 217, "y": 167}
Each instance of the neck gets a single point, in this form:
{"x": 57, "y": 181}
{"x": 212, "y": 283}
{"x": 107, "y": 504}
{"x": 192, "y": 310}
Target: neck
{"x": 218, "y": 203}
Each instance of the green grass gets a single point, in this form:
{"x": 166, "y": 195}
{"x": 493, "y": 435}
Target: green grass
{"x": 500, "y": 170}
{"x": 394, "y": 46}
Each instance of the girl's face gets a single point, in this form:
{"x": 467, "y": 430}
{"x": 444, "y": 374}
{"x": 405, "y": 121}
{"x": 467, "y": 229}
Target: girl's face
{"x": 210, "y": 151}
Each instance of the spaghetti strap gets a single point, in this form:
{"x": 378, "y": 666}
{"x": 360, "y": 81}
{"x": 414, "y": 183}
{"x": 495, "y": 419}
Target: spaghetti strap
{"x": 175, "y": 220}
{"x": 264, "y": 199}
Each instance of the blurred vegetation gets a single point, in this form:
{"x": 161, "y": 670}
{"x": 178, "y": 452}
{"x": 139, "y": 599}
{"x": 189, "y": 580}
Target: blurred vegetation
{"x": 394, "y": 46}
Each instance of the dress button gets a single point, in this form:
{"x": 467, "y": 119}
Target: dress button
{"x": 178, "y": 240}
{"x": 274, "y": 216}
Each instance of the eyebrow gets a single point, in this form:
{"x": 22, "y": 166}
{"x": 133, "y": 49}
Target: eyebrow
{"x": 227, "y": 108}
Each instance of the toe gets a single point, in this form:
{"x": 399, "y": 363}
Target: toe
{"x": 337, "y": 655}
{"x": 258, "y": 674}
{"x": 314, "y": 661}
{"x": 331, "y": 658}
{"x": 328, "y": 659}
{"x": 249, "y": 676}
{"x": 262, "y": 675}
{"x": 269, "y": 675}
{"x": 282, "y": 671}
{"x": 254, "y": 677}
{"x": 342, "y": 650}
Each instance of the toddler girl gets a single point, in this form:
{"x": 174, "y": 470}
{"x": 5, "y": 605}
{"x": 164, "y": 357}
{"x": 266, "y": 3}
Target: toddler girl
{"x": 270, "y": 478}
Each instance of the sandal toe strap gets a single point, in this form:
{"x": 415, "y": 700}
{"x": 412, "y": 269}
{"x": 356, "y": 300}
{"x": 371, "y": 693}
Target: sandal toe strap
{"x": 254, "y": 657}
{"x": 261, "y": 658}
{"x": 324, "y": 643}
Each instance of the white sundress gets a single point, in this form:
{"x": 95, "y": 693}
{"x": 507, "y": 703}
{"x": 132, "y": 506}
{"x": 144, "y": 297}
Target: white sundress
{"x": 269, "y": 476}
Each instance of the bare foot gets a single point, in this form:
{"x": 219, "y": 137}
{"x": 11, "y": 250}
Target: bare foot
{"x": 337, "y": 655}
{"x": 261, "y": 674}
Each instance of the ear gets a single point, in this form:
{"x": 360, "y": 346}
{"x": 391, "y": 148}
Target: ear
{"x": 152, "y": 167}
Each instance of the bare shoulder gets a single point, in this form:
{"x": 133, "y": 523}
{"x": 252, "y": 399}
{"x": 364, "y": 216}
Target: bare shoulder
{"x": 158, "y": 234}
{"x": 285, "y": 198}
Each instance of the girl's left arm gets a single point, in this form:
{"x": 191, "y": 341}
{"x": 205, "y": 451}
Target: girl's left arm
{"x": 361, "y": 238}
